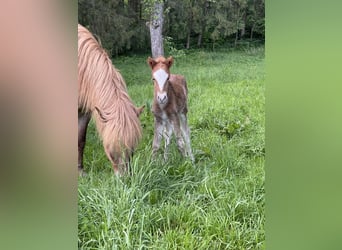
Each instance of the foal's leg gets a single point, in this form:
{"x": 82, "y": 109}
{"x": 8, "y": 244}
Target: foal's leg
{"x": 158, "y": 133}
{"x": 83, "y": 120}
{"x": 186, "y": 134}
{"x": 178, "y": 134}
{"x": 167, "y": 137}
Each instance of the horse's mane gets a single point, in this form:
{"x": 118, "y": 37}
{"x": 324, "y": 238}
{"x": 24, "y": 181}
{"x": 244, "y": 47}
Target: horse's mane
{"x": 102, "y": 91}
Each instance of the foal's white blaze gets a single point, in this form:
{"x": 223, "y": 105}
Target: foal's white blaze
{"x": 160, "y": 76}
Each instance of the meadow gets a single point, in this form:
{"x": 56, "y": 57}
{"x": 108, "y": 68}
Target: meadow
{"x": 216, "y": 203}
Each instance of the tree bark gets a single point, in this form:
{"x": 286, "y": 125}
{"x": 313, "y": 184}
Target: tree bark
{"x": 135, "y": 7}
{"x": 237, "y": 26}
{"x": 190, "y": 18}
{"x": 199, "y": 41}
{"x": 156, "y": 29}
{"x": 236, "y": 37}
{"x": 203, "y": 23}
{"x": 252, "y": 30}
{"x": 188, "y": 41}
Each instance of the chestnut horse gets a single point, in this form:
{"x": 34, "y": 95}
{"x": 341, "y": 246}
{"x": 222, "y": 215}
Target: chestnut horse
{"x": 169, "y": 107}
{"x": 103, "y": 95}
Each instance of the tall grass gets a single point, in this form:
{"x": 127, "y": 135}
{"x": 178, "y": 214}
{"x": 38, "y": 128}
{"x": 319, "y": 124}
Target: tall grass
{"x": 217, "y": 203}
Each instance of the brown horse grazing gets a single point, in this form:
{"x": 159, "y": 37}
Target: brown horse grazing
{"x": 102, "y": 89}
{"x": 169, "y": 107}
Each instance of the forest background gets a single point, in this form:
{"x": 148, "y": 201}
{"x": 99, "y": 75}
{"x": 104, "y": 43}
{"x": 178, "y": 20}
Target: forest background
{"x": 187, "y": 24}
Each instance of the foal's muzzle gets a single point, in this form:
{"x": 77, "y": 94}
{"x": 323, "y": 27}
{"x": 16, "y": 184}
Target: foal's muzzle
{"x": 162, "y": 98}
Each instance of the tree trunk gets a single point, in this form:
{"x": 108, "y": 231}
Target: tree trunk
{"x": 140, "y": 11}
{"x": 205, "y": 7}
{"x": 252, "y": 30}
{"x": 188, "y": 41}
{"x": 134, "y": 6}
{"x": 236, "y": 37}
{"x": 243, "y": 30}
{"x": 190, "y": 18}
{"x": 199, "y": 41}
{"x": 156, "y": 28}
{"x": 189, "y": 34}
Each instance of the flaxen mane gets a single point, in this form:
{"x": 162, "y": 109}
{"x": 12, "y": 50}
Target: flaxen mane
{"x": 103, "y": 92}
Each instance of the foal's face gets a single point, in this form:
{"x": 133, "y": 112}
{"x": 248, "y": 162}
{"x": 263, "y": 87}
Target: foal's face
{"x": 160, "y": 75}
{"x": 160, "y": 79}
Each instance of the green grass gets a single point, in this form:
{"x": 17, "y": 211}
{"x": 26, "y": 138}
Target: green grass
{"x": 218, "y": 203}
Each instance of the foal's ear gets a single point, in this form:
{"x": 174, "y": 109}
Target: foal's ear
{"x": 151, "y": 62}
{"x": 169, "y": 61}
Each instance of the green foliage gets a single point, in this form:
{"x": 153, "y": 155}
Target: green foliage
{"x": 218, "y": 203}
{"x": 170, "y": 48}
{"x": 116, "y": 23}
{"x": 122, "y": 25}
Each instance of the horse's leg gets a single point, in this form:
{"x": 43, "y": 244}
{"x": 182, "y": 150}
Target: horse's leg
{"x": 178, "y": 134}
{"x": 83, "y": 121}
{"x": 158, "y": 133}
{"x": 167, "y": 137}
{"x": 186, "y": 134}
